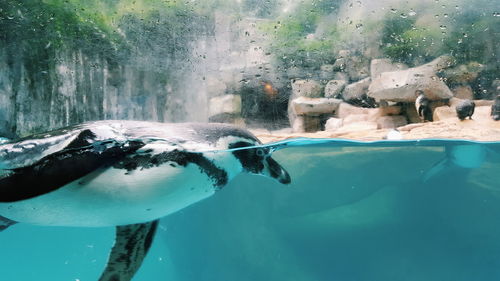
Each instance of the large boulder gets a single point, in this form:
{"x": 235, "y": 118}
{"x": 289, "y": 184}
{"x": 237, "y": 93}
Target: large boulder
{"x": 378, "y": 66}
{"x": 462, "y": 74}
{"x": 315, "y": 106}
{"x": 306, "y": 88}
{"x": 346, "y": 109}
{"x": 400, "y": 86}
{"x": 334, "y": 87}
{"x": 463, "y": 92}
{"x": 357, "y": 90}
{"x": 390, "y": 122}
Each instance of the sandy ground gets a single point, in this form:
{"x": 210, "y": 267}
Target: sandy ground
{"x": 481, "y": 128}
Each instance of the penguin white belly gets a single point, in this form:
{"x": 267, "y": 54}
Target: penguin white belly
{"x": 114, "y": 197}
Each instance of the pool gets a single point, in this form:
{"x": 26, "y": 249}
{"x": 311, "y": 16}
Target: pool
{"x": 364, "y": 211}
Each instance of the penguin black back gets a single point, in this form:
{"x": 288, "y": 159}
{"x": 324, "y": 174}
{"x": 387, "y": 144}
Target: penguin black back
{"x": 495, "y": 109}
{"x": 465, "y": 109}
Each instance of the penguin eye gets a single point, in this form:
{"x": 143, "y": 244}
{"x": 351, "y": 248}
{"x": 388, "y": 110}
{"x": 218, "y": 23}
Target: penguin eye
{"x": 262, "y": 152}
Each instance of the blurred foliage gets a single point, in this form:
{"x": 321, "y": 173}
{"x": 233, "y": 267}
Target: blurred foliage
{"x": 292, "y": 39}
{"x": 471, "y": 36}
{"x": 36, "y": 29}
{"x": 403, "y": 41}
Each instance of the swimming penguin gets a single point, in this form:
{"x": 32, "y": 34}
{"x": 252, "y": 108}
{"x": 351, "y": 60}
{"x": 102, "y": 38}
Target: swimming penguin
{"x": 467, "y": 156}
{"x": 495, "y": 109}
{"x": 465, "y": 109}
{"x": 422, "y": 104}
{"x": 126, "y": 174}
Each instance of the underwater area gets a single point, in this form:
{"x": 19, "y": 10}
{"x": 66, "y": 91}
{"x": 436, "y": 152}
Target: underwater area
{"x": 366, "y": 104}
{"x": 354, "y": 211}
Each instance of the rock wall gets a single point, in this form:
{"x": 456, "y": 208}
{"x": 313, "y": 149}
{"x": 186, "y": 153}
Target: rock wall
{"x": 76, "y": 87}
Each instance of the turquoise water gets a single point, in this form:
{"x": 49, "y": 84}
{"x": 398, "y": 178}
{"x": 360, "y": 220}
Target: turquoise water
{"x": 354, "y": 212}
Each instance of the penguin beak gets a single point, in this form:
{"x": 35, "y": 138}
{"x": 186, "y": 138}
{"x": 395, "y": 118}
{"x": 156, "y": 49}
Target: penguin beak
{"x": 274, "y": 170}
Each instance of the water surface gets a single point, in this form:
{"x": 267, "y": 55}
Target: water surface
{"x": 355, "y": 211}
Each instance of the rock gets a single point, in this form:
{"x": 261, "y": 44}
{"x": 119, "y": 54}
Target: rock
{"x": 356, "y": 90}
{"x": 346, "y": 109}
{"x": 341, "y": 76}
{"x": 354, "y": 118}
{"x": 444, "y": 112}
{"x": 440, "y": 63}
{"x": 334, "y": 88}
{"x": 455, "y": 101}
{"x": 462, "y": 74}
{"x": 341, "y": 64}
{"x": 326, "y": 67}
{"x": 306, "y": 88}
{"x": 315, "y": 106}
{"x": 378, "y": 66}
{"x": 463, "y": 92}
{"x": 390, "y": 110}
{"x": 326, "y": 72}
{"x": 226, "y": 104}
{"x": 298, "y": 125}
{"x": 391, "y": 122}
{"x": 400, "y": 86}
{"x": 495, "y": 85}
{"x": 303, "y": 124}
{"x": 358, "y": 126}
{"x": 344, "y": 53}
{"x": 333, "y": 124}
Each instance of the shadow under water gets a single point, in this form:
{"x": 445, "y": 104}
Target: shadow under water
{"x": 407, "y": 210}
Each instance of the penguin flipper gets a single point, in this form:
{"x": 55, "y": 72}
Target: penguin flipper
{"x": 5, "y": 223}
{"x": 132, "y": 243}
{"x": 435, "y": 169}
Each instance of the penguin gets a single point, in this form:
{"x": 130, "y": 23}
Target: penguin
{"x": 125, "y": 174}
{"x": 465, "y": 109}
{"x": 422, "y": 104}
{"x": 495, "y": 109}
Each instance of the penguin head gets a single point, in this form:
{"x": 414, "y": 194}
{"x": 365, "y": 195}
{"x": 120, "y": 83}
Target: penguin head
{"x": 258, "y": 161}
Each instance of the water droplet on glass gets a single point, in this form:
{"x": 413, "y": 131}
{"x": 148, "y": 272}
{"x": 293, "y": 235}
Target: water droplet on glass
{"x": 496, "y": 14}
{"x": 412, "y": 13}
{"x": 442, "y": 26}
{"x": 403, "y": 15}
{"x": 445, "y": 15}
{"x": 359, "y": 25}
{"x": 393, "y": 10}
{"x": 466, "y": 35}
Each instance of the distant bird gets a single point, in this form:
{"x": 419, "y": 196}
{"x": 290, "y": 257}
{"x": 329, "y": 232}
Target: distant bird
{"x": 465, "y": 109}
{"x": 423, "y": 106}
{"x": 495, "y": 109}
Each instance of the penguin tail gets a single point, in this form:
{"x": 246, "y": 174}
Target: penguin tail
{"x": 436, "y": 169}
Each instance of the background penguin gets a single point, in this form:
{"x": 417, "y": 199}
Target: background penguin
{"x": 126, "y": 174}
{"x": 422, "y": 104}
{"x": 495, "y": 109}
{"x": 465, "y": 109}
